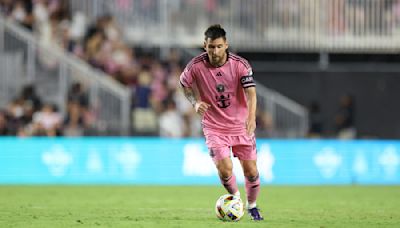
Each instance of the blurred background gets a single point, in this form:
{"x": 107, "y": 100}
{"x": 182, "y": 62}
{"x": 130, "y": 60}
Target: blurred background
{"x": 324, "y": 70}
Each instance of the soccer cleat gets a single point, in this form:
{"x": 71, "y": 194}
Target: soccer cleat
{"x": 255, "y": 214}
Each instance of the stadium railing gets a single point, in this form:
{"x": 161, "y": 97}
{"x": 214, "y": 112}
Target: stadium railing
{"x": 289, "y": 119}
{"x": 10, "y": 77}
{"x": 52, "y": 72}
{"x": 278, "y": 25}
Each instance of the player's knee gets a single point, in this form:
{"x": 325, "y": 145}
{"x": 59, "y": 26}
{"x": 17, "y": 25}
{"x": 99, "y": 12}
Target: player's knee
{"x": 225, "y": 173}
{"x": 225, "y": 168}
{"x": 251, "y": 174}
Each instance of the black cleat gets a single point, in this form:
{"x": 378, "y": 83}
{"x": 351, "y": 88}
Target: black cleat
{"x": 255, "y": 214}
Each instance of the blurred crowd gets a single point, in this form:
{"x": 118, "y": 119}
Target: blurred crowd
{"x": 28, "y": 115}
{"x": 342, "y": 17}
{"x": 156, "y": 102}
{"x": 158, "y": 106}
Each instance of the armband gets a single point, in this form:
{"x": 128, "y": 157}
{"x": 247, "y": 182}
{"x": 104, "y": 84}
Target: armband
{"x": 247, "y": 81}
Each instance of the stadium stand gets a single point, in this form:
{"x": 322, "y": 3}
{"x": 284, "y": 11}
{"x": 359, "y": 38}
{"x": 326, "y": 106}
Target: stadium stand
{"x": 287, "y": 38}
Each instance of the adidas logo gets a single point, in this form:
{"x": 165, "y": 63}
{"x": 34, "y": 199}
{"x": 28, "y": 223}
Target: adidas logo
{"x": 219, "y": 74}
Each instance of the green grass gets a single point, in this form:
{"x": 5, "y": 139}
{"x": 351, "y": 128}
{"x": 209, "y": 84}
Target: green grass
{"x": 184, "y": 206}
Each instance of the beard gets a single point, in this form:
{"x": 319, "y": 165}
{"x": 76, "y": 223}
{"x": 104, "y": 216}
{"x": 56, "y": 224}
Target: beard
{"x": 216, "y": 60}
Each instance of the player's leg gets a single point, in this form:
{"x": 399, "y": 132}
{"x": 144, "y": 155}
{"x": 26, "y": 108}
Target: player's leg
{"x": 245, "y": 150}
{"x": 252, "y": 184}
{"x": 226, "y": 175}
{"x": 220, "y": 153}
{"x": 252, "y": 181}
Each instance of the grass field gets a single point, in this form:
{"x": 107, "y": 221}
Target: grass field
{"x": 184, "y": 206}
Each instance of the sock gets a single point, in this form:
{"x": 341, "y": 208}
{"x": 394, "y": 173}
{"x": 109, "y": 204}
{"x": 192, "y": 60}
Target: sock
{"x": 230, "y": 184}
{"x": 251, "y": 205}
{"x": 252, "y": 189}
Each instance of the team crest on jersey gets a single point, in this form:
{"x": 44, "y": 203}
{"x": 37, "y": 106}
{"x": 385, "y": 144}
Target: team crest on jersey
{"x": 220, "y": 88}
{"x": 223, "y": 100}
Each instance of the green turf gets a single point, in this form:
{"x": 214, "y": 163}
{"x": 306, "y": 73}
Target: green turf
{"x": 167, "y": 206}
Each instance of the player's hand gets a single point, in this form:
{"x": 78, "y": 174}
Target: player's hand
{"x": 201, "y": 107}
{"x": 250, "y": 126}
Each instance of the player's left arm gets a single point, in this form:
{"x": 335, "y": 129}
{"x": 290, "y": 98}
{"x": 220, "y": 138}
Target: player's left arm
{"x": 249, "y": 87}
{"x": 252, "y": 108}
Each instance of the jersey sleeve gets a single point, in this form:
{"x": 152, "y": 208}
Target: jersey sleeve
{"x": 246, "y": 75}
{"x": 187, "y": 77}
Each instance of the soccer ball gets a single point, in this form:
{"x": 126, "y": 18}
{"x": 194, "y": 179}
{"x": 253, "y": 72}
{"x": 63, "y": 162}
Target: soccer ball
{"x": 229, "y": 208}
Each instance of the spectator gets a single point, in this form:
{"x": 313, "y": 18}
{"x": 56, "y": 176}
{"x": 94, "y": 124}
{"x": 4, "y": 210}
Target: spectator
{"x": 144, "y": 117}
{"x": 3, "y": 123}
{"x": 31, "y": 98}
{"x": 344, "y": 119}
{"x": 74, "y": 124}
{"x": 171, "y": 122}
{"x": 315, "y": 121}
{"x": 47, "y": 121}
{"x": 6, "y": 6}
{"x": 41, "y": 12}
{"x": 15, "y": 112}
{"x": 143, "y": 90}
{"x": 77, "y": 94}
{"x": 23, "y": 13}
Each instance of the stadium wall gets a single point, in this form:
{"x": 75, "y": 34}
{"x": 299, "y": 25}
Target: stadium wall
{"x": 375, "y": 93}
{"x": 186, "y": 161}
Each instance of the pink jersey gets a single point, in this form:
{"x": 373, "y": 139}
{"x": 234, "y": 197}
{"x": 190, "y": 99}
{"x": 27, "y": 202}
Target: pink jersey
{"x": 223, "y": 88}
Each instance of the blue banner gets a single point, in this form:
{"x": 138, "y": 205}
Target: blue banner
{"x": 186, "y": 161}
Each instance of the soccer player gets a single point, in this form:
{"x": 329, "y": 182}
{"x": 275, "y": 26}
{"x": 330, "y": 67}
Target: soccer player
{"x": 220, "y": 86}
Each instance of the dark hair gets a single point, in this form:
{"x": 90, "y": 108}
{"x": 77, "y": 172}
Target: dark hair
{"x": 214, "y": 32}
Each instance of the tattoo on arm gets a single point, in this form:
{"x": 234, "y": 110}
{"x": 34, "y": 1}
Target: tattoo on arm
{"x": 189, "y": 94}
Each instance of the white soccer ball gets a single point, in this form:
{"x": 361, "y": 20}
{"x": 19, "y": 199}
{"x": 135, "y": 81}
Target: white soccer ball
{"x": 229, "y": 208}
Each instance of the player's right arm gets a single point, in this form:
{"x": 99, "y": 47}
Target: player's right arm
{"x": 200, "y": 106}
{"x": 186, "y": 81}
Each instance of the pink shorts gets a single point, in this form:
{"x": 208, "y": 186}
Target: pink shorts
{"x": 243, "y": 146}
